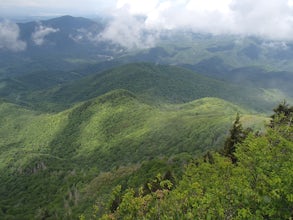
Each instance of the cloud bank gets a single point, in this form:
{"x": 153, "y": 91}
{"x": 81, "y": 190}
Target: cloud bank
{"x": 9, "y": 37}
{"x": 139, "y": 23}
{"x": 40, "y": 34}
{"x": 129, "y": 31}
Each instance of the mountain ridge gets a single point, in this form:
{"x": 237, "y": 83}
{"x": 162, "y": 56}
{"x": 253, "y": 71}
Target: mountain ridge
{"x": 159, "y": 83}
{"x": 53, "y": 153}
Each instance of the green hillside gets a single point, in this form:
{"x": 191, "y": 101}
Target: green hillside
{"x": 252, "y": 181}
{"x": 16, "y": 89}
{"x": 248, "y": 60}
{"x": 155, "y": 83}
{"x": 50, "y": 164}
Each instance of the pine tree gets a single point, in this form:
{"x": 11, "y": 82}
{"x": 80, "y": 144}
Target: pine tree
{"x": 237, "y": 135}
{"x": 282, "y": 120}
{"x": 282, "y": 115}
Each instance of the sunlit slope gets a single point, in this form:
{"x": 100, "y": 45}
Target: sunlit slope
{"x": 110, "y": 120}
{"x": 45, "y": 154}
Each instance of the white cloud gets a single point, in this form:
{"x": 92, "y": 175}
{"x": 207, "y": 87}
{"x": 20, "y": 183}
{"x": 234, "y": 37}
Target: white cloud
{"x": 209, "y": 5}
{"x": 128, "y": 31}
{"x": 136, "y": 6}
{"x": 9, "y": 37}
{"x": 40, "y": 34}
{"x": 61, "y": 7}
{"x": 271, "y": 19}
{"x": 136, "y": 24}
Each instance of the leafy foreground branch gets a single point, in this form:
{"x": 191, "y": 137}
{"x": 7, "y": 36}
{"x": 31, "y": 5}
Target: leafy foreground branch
{"x": 257, "y": 186}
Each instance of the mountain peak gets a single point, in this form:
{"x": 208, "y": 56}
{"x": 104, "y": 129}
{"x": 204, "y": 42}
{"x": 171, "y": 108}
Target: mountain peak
{"x": 69, "y": 21}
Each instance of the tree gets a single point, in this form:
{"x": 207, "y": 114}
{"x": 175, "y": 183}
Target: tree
{"x": 237, "y": 135}
{"x": 259, "y": 187}
{"x": 265, "y": 166}
{"x": 283, "y": 108}
{"x": 282, "y": 120}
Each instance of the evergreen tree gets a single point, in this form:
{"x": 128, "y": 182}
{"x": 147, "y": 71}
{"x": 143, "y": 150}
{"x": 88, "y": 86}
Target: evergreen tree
{"x": 237, "y": 135}
{"x": 283, "y": 114}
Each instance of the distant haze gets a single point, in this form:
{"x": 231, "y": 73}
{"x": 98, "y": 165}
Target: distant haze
{"x": 137, "y": 23}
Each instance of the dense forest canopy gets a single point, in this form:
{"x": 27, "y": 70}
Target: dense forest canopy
{"x": 256, "y": 186}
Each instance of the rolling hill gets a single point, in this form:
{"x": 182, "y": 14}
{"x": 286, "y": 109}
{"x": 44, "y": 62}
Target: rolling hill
{"x": 156, "y": 83}
{"x": 255, "y": 76}
{"x": 56, "y": 161}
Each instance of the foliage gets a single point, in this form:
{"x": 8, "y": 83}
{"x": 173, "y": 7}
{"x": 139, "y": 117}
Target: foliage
{"x": 54, "y": 91}
{"x": 258, "y": 187}
{"x": 75, "y": 157}
{"x": 156, "y": 84}
{"x": 282, "y": 114}
{"x": 237, "y": 135}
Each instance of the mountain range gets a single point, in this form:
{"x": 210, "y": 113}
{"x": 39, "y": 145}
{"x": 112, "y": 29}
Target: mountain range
{"x": 81, "y": 115}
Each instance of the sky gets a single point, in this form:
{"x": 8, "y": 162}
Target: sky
{"x": 272, "y": 19}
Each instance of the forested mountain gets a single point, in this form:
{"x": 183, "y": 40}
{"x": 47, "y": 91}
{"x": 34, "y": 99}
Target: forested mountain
{"x": 257, "y": 186}
{"x": 159, "y": 83}
{"x": 152, "y": 83}
{"x": 75, "y": 44}
{"x": 93, "y": 129}
{"x": 62, "y": 43}
{"x": 63, "y": 156}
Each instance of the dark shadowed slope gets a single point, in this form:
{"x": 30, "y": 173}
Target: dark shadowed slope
{"x": 158, "y": 83}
